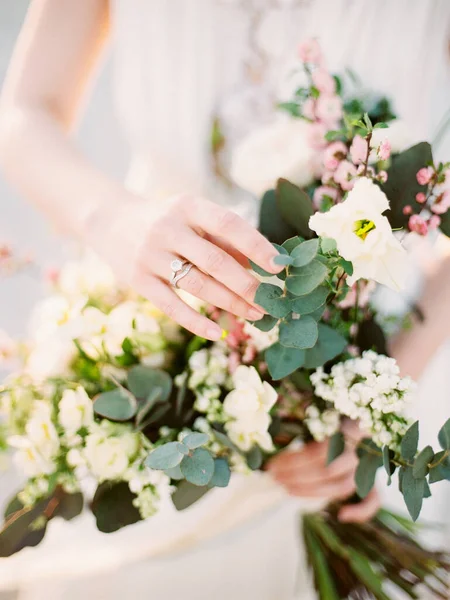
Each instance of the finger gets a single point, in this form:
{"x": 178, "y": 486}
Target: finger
{"x": 221, "y": 243}
{"x": 311, "y": 454}
{"x": 339, "y": 490}
{"x": 344, "y": 467}
{"x": 206, "y": 288}
{"x": 217, "y": 263}
{"x": 160, "y": 294}
{"x": 363, "y": 511}
{"x": 218, "y": 221}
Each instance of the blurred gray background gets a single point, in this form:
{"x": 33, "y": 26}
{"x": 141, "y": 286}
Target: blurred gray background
{"x": 22, "y": 226}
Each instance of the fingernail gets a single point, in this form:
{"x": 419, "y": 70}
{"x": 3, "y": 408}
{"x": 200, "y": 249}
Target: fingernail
{"x": 254, "y": 314}
{"x": 214, "y": 333}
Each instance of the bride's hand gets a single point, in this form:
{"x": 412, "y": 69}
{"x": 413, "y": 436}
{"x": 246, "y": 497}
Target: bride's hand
{"x": 304, "y": 473}
{"x": 218, "y": 242}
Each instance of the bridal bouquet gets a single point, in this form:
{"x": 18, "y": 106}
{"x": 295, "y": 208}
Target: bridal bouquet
{"x": 115, "y": 406}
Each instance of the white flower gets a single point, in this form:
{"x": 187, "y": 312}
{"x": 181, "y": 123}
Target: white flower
{"x": 261, "y": 339}
{"x": 109, "y": 450}
{"x": 127, "y": 320}
{"x": 89, "y": 276}
{"x": 75, "y": 410}
{"x": 40, "y": 430}
{"x": 50, "y": 358}
{"x": 28, "y": 459}
{"x": 281, "y": 149}
{"x": 322, "y": 425}
{"x": 364, "y": 236}
{"x": 52, "y": 314}
{"x": 248, "y": 407}
{"x": 398, "y": 134}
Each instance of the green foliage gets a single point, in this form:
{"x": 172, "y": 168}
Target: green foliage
{"x": 195, "y": 440}
{"x": 295, "y": 207}
{"x": 198, "y": 467}
{"x": 401, "y": 186}
{"x": 166, "y": 456}
{"x": 329, "y": 345}
{"x": 113, "y": 508}
{"x": 305, "y": 279}
{"x": 371, "y": 337}
{"x": 292, "y": 243}
{"x": 336, "y": 447}
{"x": 421, "y": 468}
{"x": 304, "y": 305}
{"x": 413, "y": 490}
{"x": 299, "y": 333}
{"x": 267, "y": 323}
{"x": 410, "y": 442}
{"x": 283, "y": 361}
{"x": 444, "y": 436}
{"x": 305, "y": 252}
{"x": 142, "y": 381}
{"x": 389, "y": 466}
{"x": 116, "y": 405}
{"x": 188, "y": 494}
{"x": 222, "y": 473}
{"x": 254, "y": 458}
{"x": 370, "y": 460}
{"x": 271, "y": 222}
{"x": 272, "y": 299}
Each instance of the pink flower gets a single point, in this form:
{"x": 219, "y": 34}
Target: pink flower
{"x": 421, "y": 198}
{"x": 424, "y": 175}
{"x": 234, "y": 361}
{"x": 442, "y": 204}
{"x": 384, "y": 150}
{"x": 329, "y": 108}
{"x": 323, "y": 81}
{"x": 309, "y": 109}
{"x": 324, "y": 191}
{"x": 407, "y": 210}
{"x": 358, "y": 150}
{"x": 434, "y": 222}
{"x": 327, "y": 177}
{"x": 309, "y": 52}
{"x": 382, "y": 176}
{"x": 344, "y": 175}
{"x": 52, "y": 275}
{"x": 417, "y": 224}
{"x": 334, "y": 154}
{"x": 316, "y": 135}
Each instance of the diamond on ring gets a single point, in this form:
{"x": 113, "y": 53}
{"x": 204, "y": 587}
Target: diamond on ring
{"x": 177, "y": 264}
{"x": 180, "y": 268}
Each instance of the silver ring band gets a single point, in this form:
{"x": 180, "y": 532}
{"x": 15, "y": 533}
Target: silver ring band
{"x": 180, "y": 268}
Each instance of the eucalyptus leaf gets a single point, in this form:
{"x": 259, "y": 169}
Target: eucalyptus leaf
{"x": 195, "y": 440}
{"x": 300, "y": 333}
{"x": 420, "y": 467}
{"x": 441, "y": 471}
{"x": 166, "y": 456}
{"x": 410, "y": 442}
{"x": 328, "y": 245}
{"x": 282, "y": 361}
{"x": 389, "y": 466}
{"x": 198, "y": 467}
{"x": 336, "y": 447}
{"x": 270, "y": 298}
{"x": 267, "y": 323}
{"x": 413, "y": 492}
{"x": 292, "y": 243}
{"x": 283, "y": 259}
{"x": 307, "y": 279}
{"x": 304, "y": 305}
{"x": 370, "y": 460}
{"x": 222, "y": 473}
{"x": 113, "y": 508}
{"x": 188, "y": 494}
{"x": 116, "y": 405}
{"x": 271, "y": 222}
{"x": 304, "y": 253}
{"x": 259, "y": 270}
{"x": 254, "y": 458}
{"x": 143, "y": 380}
{"x": 147, "y": 404}
{"x": 444, "y": 436}
{"x": 295, "y": 206}
{"x": 330, "y": 344}
{"x": 174, "y": 473}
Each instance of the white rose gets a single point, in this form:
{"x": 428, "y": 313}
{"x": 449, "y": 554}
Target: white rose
{"x": 281, "y": 149}
{"x": 245, "y": 439}
{"x": 41, "y": 432}
{"x": 28, "y": 459}
{"x": 364, "y": 236}
{"x": 261, "y": 339}
{"x": 398, "y": 133}
{"x": 75, "y": 410}
{"x": 50, "y": 358}
{"x": 107, "y": 458}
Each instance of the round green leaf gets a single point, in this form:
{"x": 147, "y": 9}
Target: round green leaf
{"x": 195, "y": 440}
{"x": 282, "y": 361}
{"x": 292, "y": 243}
{"x": 270, "y": 297}
{"x": 420, "y": 468}
{"x": 299, "y": 333}
{"x": 267, "y": 323}
{"x": 305, "y": 305}
{"x": 142, "y": 380}
{"x": 222, "y": 473}
{"x": 305, "y": 252}
{"x": 307, "y": 278}
{"x": 410, "y": 442}
{"x": 198, "y": 468}
{"x": 444, "y": 436}
{"x": 329, "y": 345}
{"x": 167, "y": 456}
{"x": 116, "y": 405}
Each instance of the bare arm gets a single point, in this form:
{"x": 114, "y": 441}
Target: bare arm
{"x": 415, "y": 348}
{"x": 55, "y": 55}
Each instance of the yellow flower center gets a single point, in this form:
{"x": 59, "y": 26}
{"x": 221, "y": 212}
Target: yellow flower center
{"x": 363, "y": 227}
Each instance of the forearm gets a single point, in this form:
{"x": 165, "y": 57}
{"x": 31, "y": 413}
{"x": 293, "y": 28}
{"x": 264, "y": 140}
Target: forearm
{"x": 44, "y": 164}
{"x": 414, "y": 348}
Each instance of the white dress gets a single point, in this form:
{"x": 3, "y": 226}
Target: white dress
{"x": 179, "y": 64}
